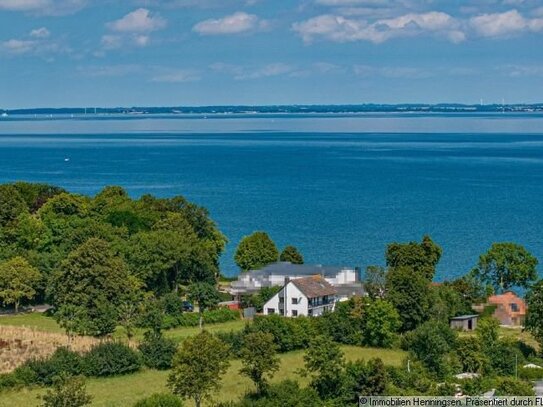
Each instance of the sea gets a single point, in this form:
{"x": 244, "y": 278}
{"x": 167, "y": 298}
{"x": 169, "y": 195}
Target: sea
{"x": 340, "y": 187}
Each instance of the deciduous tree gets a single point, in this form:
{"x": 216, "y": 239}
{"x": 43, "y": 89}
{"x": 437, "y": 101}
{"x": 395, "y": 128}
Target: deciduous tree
{"x": 421, "y": 257}
{"x": 255, "y": 251}
{"x": 198, "y": 366}
{"x": 291, "y": 254}
{"x": 259, "y": 359}
{"x": 507, "y": 265}
{"x": 18, "y": 280}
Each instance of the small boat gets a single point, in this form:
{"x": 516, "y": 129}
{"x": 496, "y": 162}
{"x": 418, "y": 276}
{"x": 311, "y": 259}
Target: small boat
{"x": 66, "y": 159}
{"x": 4, "y": 114}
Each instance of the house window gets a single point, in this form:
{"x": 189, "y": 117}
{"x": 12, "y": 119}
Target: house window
{"x": 271, "y": 310}
{"x": 281, "y": 300}
{"x": 514, "y": 307}
{"x": 295, "y": 301}
{"x": 309, "y": 312}
{"x": 294, "y": 313}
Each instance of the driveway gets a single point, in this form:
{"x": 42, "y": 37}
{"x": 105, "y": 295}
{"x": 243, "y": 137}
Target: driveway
{"x": 538, "y": 387}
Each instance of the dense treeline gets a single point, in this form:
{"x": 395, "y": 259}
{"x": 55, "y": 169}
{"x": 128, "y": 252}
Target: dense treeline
{"x": 97, "y": 259}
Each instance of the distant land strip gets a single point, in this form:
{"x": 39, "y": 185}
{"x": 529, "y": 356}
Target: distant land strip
{"x": 284, "y": 109}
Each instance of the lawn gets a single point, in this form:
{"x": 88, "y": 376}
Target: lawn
{"x": 42, "y": 322}
{"x": 35, "y": 320}
{"x": 125, "y": 390}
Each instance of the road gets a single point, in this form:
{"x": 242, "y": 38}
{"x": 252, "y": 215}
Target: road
{"x": 538, "y": 387}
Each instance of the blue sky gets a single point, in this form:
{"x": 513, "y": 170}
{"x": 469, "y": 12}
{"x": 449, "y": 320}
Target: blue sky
{"x": 201, "y": 52}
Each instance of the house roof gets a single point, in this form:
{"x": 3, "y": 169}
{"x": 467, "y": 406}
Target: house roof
{"x": 285, "y": 268}
{"x": 314, "y": 286}
{"x": 464, "y": 317}
{"x": 504, "y": 301}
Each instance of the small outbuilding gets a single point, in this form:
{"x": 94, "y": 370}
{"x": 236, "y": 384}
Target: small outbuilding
{"x": 464, "y": 322}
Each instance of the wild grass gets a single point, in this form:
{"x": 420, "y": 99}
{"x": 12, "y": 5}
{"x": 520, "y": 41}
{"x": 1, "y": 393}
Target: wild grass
{"x": 19, "y": 344}
{"x": 124, "y": 391}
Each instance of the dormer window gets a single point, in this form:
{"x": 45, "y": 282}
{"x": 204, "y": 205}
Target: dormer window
{"x": 514, "y": 307}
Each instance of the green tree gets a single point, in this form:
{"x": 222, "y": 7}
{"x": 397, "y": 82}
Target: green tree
{"x": 205, "y": 295}
{"x": 488, "y": 333}
{"x": 35, "y": 195}
{"x": 409, "y": 292}
{"x": 431, "y": 343}
{"x": 507, "y": 265}
{"x": 259, "y": 359}
{"x": 324, "y": 363}
{"x": 255, "y": 251}
{"x": 18, "y": 280}
{"x": 92, "y": 280}
{"x": 12, "y": 204}
{"x": 380, "y": 322}
{"x": 375, "y": 281}
{"x": 67, "y": 392}
{"x": 534, "y": 319}
{"x": 160, "y": 258}
{"x": 421, "y": 257}
{"x": 291, "y": 254}
{"x": 470, "y": 354}
{"x": 198, "y": 366}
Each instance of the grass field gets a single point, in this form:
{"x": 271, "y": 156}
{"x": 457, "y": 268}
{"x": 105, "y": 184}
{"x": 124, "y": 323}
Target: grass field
{"x": 42, "y": 322}
{"x": 125, "y": 390}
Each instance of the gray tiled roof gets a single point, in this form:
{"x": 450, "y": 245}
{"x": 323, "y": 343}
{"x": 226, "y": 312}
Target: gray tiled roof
{"x": 285, "y": 268}
{"x": 315, "y": 286}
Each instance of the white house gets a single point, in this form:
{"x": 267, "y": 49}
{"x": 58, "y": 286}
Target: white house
{"x": 308, "y": 296}
{"x": 275, "y": 274}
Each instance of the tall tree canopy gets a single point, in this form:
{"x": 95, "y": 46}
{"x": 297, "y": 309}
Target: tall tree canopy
{"x": 291, "y": 254}
{"x": 255, "y": 251}
{"x": 534, "y": 319}
{"x": 12, "y": 204}
{"x": 92, "y": 280}
{"x": 198, "y": 366}
{"x": 165, "y": 241}
{"x": 507, "y": 265}
{"x": 422, "y": 257}
{"x": 409, "y": 292}
{"x": 18, "y": 280}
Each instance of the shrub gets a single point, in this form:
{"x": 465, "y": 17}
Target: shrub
{"x": 9, "y": 381}
{"x": 288, "y": 333}
{"x": 529, "y": 373}
{"x": 109, "y": 359}
{"x": 234, "y": 339}
{"x": 513, "y": 387}
{"x": 160, "y": 400}
{"x": 67, "y": 392}
{"x": 287, "y": 393}
{"x": 157, "y": 351}
{"x": 43, "y": 371}
{"x": 172, "y": 304}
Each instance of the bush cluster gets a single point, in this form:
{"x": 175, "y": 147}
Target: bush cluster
{"x": 105, "y": 359}
{"x": 157, "y": 352}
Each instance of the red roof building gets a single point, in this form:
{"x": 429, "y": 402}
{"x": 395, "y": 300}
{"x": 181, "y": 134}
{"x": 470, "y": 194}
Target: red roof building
{"x": 510, "y": 308}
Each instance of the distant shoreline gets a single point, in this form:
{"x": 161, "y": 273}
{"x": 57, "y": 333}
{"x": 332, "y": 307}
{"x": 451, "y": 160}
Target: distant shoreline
{"x": 280, "y": 109}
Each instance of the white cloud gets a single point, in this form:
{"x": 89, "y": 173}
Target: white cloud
{"x": 394, "y": 72}
{"x": 352, "y": 2}
{"x": 342, "y": 29}
{"x": 232, "y": 24}
{"x": 176, "y": 76}
{"x": 504, "y": 24}
{"x": 40, "y": 33}
{"x": 132, "y": 30}
{"x": 44, "y": 7}
{"x": 138, "y": 21}
{"x": 244, "y": 73}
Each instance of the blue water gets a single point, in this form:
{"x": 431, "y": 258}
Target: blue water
{"x": 339, "y": 188}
